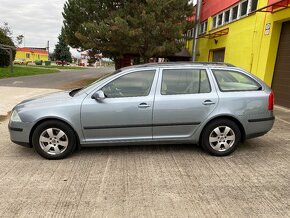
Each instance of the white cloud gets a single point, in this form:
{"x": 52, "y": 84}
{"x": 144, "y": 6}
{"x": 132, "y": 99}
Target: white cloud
{"x": 39, "y": 21}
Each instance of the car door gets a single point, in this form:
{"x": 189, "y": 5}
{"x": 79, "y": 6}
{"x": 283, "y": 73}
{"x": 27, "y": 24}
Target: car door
{"x": 126, "y": 111}
{"x": 184, "y": 99}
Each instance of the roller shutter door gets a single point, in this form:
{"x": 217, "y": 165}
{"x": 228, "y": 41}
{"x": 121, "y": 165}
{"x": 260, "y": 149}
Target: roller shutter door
{"x": 281, "y": 78}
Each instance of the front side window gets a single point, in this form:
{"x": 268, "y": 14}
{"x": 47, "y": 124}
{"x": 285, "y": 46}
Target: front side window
{"x": 235, "y": 81}
{"x": 130, "y": 85}
{"x": 184, "y": 81}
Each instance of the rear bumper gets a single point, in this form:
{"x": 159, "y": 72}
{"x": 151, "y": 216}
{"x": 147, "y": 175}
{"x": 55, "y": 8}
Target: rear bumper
{"x": 259, "y": 127}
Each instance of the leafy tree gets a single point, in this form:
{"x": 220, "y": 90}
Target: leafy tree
{"x": 19, "y": 39}
{"x": 61, "y": 51}
{"x": 147, "y": 28}
{"x": 6, "y": 40}
{"x": 6, "y": 29}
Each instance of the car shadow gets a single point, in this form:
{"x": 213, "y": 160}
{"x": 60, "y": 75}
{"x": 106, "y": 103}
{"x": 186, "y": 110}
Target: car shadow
{"x": 184, "y": 148}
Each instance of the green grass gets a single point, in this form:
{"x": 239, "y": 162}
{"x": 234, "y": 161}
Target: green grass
{"x": 60, "y": 67}
{"x": 24, "y": 71}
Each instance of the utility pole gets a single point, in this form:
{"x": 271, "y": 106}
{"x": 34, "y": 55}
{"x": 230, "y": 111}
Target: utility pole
{"x": 196, "y": 29}
{"x": 48, "y": 48}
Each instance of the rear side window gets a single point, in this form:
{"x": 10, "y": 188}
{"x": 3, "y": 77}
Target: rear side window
{"x": 229, "y": 80}
{"x": 184, "y": 81}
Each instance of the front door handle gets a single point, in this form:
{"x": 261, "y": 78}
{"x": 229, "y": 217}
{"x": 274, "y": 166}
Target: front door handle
{"x": 208, "y": 102}
{"x": 143, "y": 105}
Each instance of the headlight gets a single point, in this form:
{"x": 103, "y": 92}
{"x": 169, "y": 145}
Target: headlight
{"x": 15, "y": 117}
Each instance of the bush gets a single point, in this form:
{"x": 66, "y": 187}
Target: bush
{"x": 38, "y": 62}
{"x": 47, "y": 63}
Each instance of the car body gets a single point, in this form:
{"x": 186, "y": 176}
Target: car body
{"x": 21, "y": 61}
{"x": 212, "y": 104}
{"x": 58, "y": 62}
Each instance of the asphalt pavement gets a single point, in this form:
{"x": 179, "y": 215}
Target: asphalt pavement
{"x": 55, "y": 80}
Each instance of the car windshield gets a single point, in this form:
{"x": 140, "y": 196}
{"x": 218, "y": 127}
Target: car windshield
{"x": 80, "y": 91}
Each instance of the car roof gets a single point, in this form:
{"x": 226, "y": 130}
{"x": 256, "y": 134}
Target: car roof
{"x": 174, "y": 64}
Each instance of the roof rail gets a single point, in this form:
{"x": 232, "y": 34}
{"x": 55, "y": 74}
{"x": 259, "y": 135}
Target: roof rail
{"x": 184, "y": 62}
{"x": 215, "y": 63}
{"x": 158, "y": 64}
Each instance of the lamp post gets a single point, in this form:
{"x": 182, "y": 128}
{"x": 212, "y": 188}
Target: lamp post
{"x": 196, "y": 29}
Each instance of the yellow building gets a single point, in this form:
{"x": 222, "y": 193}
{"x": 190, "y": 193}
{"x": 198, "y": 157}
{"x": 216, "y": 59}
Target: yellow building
{"x": 251, "y": 34}
{"x": 32, "y": 54}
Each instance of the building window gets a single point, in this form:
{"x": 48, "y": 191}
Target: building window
{"x": 244, "y": 8}
{"x": 203, "y": 27}
{"x": 188, "y": 34}
{"x": 235, "y": 12}
{"x": 241, "y": 9}
{"x": 27, "y": 55}
{"x": 220, "y": 19}
{"x": 254, "y": 4}
{"x": 227, "y": 16}
{"x": 214, "y": 22}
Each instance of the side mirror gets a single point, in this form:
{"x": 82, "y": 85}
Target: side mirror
{"x": 99, "y": 95}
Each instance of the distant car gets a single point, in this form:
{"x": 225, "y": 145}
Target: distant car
{"x": 215, "y": 105}
{"x": 61, "y": 62}
{"x": 21, "y": 61}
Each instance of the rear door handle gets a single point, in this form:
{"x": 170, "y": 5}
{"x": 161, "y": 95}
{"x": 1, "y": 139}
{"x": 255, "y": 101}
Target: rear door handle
{"x": 208, "y": 102}
{"x": 143, "y": 105}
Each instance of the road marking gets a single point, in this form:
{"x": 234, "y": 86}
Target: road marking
{"x": 282, "y": 120}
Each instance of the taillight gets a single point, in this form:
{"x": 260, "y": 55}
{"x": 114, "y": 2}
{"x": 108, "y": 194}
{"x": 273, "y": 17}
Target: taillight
{"x": 271, "y": 102}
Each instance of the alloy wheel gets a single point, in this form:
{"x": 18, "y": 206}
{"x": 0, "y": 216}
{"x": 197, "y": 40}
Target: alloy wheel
{"x": 222, "y": 138}
{"x": 53, "y": 141}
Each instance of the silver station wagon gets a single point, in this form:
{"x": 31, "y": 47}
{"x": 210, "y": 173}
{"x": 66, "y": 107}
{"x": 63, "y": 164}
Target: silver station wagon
{"x": 215, "y": 105}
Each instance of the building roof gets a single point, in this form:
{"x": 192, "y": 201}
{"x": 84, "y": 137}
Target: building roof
{"x": 33, "y": 50}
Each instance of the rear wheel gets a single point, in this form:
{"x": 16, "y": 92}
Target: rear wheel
{"x": 54, "y": 140}
{"x": 221, "y": 137}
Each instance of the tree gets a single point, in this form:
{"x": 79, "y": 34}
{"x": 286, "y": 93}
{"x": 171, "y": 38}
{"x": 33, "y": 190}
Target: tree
{"x": 61, "y": 51}
{"x": 5, "y": 39}
{"x": 6, "y": 29}
{"x": 147, "y": 28}
{"x": 19, "y": 39}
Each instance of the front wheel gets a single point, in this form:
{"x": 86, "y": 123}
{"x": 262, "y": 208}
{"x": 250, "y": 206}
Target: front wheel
{"x": 221, "y": 137}
{"x": 54, "y": 140}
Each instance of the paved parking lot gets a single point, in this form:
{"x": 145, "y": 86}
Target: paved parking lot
{"x": 149, "y": 181}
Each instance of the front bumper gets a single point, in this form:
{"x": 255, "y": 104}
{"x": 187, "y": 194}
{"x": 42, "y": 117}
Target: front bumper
{"x": 20, "y": 132}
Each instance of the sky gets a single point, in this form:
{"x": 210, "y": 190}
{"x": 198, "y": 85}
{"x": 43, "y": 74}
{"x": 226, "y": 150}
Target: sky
{"x": 38, "y": 20}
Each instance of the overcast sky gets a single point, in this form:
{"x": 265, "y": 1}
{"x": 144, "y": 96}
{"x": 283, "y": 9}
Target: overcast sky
{"x": 38, "y": 20}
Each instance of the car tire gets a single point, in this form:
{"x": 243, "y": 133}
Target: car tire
{"x": 221, "y": 137}
{"x": 54, "y": 140}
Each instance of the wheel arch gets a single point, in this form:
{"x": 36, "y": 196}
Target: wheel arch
{"x": 229, "y": 117}
{"x": 53, "y": 119}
